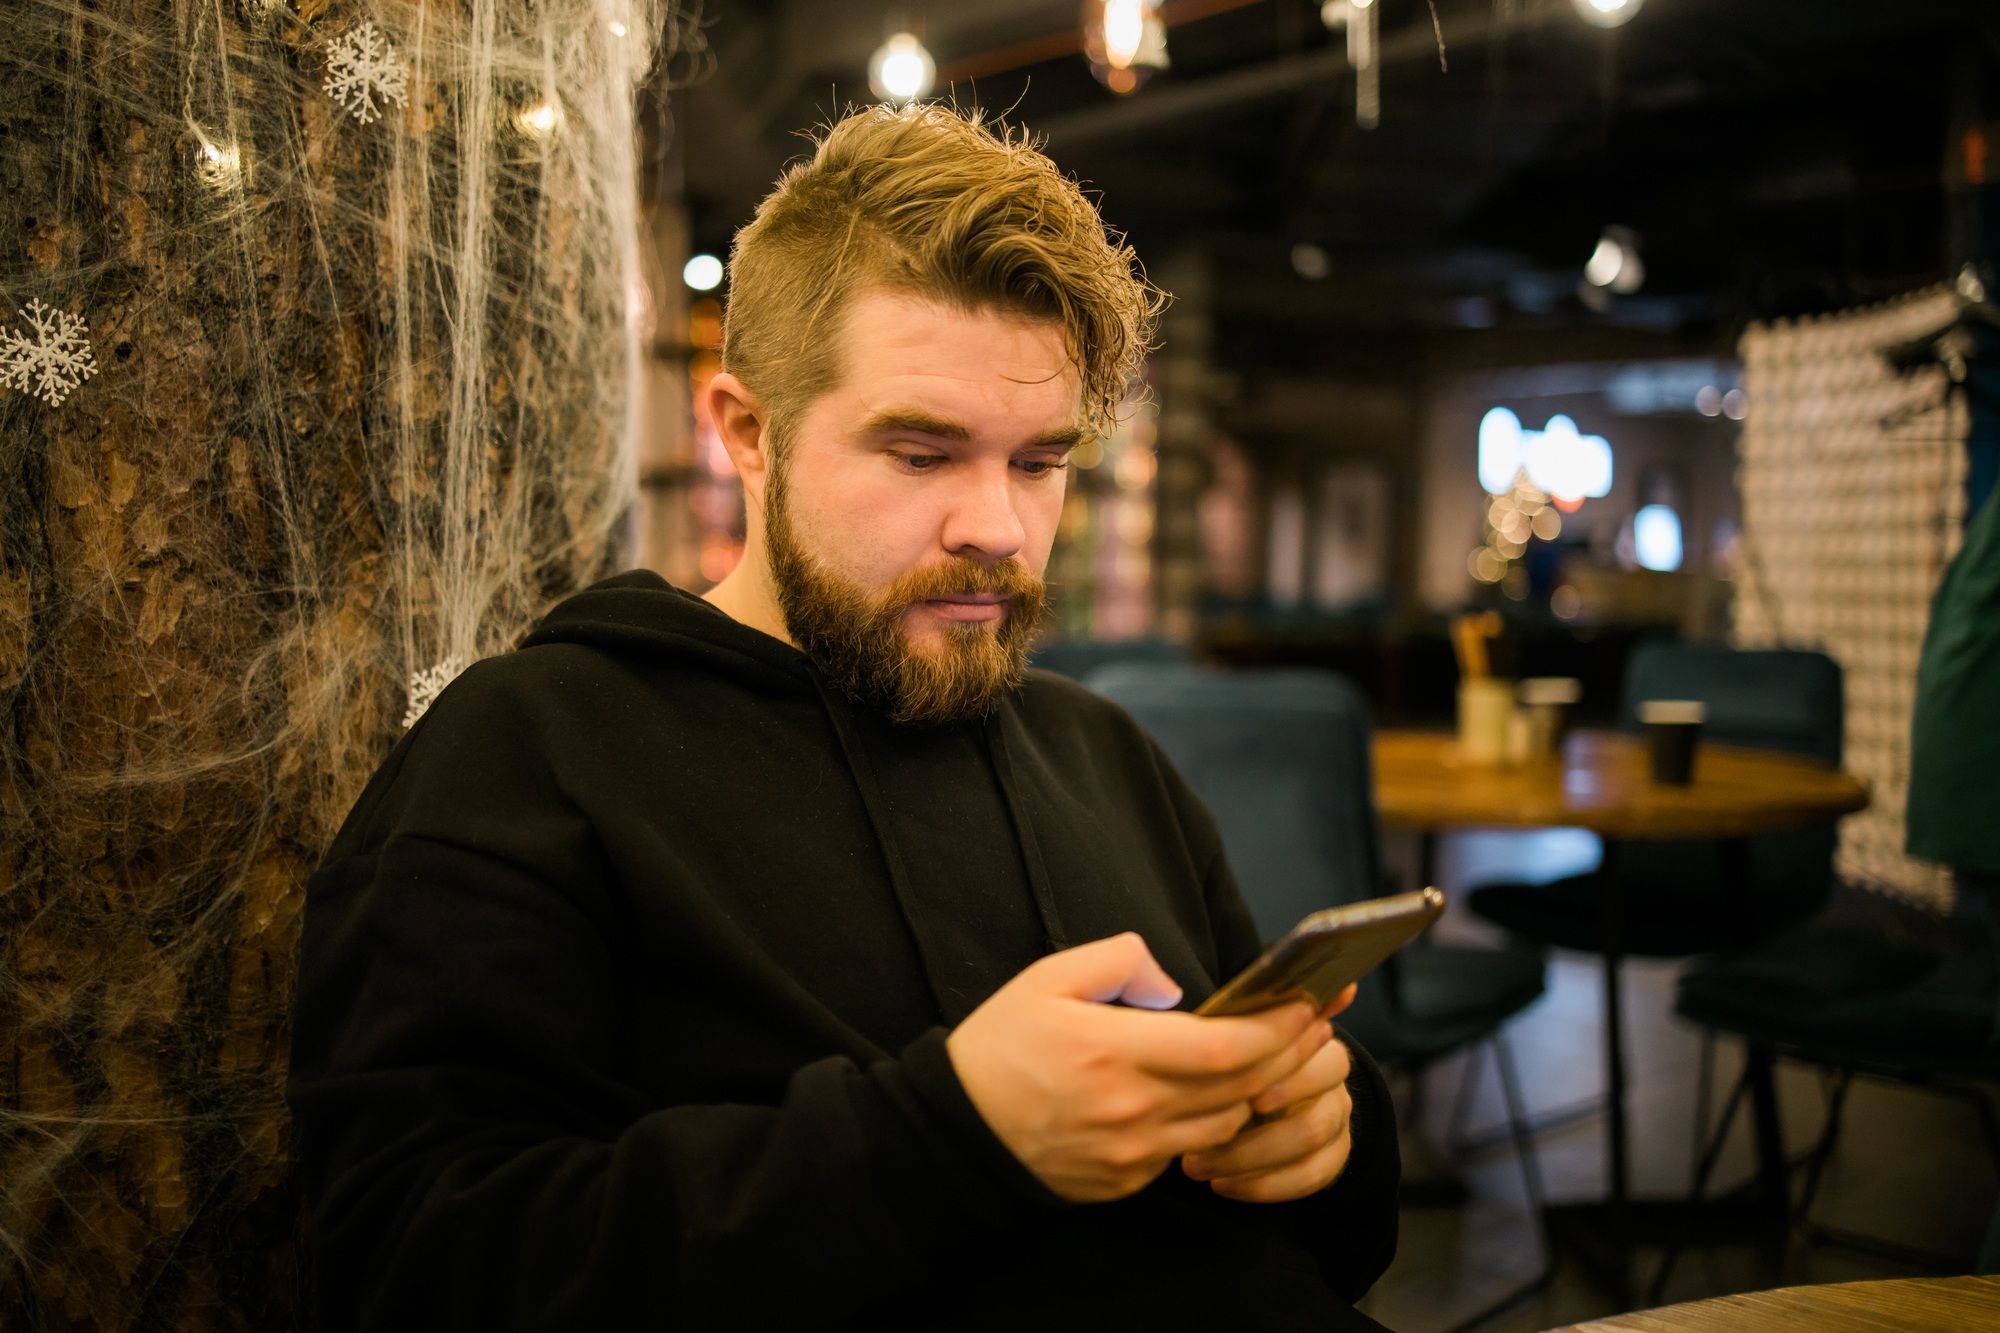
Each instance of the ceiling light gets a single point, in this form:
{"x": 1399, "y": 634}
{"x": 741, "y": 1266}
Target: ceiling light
{"x": 703, "y": 273}
{"x": 901, "y": 70}
{"x": 1125, "y": 41}
{"x": 1608, "y": 13}
{"x": 1615, "y": 263}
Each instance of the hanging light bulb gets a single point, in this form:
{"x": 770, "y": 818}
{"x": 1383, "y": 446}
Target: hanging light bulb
{"x": 901, "y": 70}
{"x": 1608, "y": 13}
{"x": 1615, "y": 263}
{"x": 1125, "y": 42}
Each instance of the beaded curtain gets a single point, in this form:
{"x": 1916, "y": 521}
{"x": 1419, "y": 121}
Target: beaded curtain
{"x": 1853, "y": 484}
{"x": 320, "y": 329}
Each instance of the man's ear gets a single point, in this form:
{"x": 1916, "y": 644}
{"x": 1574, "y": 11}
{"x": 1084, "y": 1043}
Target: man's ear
{"x": 743, "y": 425}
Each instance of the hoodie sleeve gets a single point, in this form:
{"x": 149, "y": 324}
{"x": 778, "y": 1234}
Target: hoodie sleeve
{"x": 1350, "y": 1227}
{"x": 474, "y": 1158}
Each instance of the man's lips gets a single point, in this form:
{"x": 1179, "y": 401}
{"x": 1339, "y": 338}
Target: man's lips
{"x": 969, "y": 607}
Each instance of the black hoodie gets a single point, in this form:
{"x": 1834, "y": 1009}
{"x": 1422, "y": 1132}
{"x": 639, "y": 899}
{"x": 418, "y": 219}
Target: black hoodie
{"x": 624, "y": 991}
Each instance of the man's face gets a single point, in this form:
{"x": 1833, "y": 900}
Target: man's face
{"x": 910, "y": 520}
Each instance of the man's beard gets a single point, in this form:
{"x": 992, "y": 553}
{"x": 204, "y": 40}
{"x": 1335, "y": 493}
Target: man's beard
{"x": 861, "y": 643}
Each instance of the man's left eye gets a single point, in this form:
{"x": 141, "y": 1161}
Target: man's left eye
{"x": 1036, "y": 467}
{"x": 919, "y": 462}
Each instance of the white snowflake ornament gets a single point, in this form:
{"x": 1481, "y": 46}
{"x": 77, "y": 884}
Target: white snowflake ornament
{"x": 54, "y": 361}
{"x": 426, "y": 685}
{"x": 362, "y": 68}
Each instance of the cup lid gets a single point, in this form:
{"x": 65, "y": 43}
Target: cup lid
{"x": 1672, "y": 710}
{"x": 1551, "y": 690}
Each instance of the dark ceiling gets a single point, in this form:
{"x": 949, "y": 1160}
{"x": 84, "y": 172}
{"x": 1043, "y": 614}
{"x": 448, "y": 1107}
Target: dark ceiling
{"x": 1773, "y": 156}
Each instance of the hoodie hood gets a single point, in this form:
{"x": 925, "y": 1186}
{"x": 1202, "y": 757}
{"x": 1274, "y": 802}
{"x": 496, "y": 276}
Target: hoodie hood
{"x": 640, "y": 615}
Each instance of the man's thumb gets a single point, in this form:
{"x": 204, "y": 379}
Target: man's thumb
{"x": 1118, "y": 968}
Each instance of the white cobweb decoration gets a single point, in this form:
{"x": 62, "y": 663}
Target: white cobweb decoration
{"x": 50, "y": 364}
{"x": 363, "y": 66}
{"x": 428, "y": 684}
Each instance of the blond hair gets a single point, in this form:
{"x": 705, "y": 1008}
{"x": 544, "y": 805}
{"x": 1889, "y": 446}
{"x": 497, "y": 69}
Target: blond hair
{"x": 929, "y": 201}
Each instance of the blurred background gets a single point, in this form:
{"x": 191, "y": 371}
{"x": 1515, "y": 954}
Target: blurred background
{"x": 1381, "y": 225}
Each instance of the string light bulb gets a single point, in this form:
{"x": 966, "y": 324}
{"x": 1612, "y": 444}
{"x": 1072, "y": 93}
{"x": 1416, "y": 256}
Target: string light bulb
{"x": 220, "y": 165}
{"x": 901, "y": 70}
{"x": 539, "y": 121}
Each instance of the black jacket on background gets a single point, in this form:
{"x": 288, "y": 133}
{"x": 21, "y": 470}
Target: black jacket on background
{"x": 624, "y": 993}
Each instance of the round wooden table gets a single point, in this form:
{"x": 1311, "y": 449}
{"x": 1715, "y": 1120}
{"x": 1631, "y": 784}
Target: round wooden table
{"x": 1916, "y": 1305}
{"x": 1603, "y": 782}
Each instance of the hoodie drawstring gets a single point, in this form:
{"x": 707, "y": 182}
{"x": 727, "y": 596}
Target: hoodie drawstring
{"x": 1031, "y": 852}
{"x": 892, "y": 856}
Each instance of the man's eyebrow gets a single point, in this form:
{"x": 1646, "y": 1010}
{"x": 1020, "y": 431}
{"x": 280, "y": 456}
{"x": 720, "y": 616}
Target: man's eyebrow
{"x": 1065, "y": 437}
{"x": 916, "y": 423}
{"x": 943, "y": 428}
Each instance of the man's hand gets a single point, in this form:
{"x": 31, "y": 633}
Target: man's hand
{"x": 1300, "y": 1143}
{"x": 1097, "y": 1099}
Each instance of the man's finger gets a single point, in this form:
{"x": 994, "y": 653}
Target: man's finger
{"x": 1293, "y": 1181}
{"x": 1340, "y": 1001}
{"x": 1200, "y": 1133}
{"x": 1328, "y": 1069}
{"x": 1199, "y": 1094}
{"x": 1118, "y": 968}
{"x": 1276, "y": 1143}
{"x": 1184, "y": 1046}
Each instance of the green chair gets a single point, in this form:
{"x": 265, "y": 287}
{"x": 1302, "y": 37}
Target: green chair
{"x": 1283, "y": 760}
{"x": 1847, "y": 996}
{"x": 1078, "y": 658}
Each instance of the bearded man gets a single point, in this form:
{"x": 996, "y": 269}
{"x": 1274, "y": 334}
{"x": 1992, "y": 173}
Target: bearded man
{"x": 794, "y": 954}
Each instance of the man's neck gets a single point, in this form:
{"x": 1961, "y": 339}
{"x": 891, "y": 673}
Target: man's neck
{"x": 747, "y": 596}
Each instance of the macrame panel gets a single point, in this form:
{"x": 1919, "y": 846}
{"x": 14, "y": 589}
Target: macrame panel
{"x": 319, "y": 328}
{"x": 1852, "y": 478}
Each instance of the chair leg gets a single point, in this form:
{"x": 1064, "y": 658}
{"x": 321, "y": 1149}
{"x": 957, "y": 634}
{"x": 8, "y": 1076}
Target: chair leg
{"x": 1456, "y": 1137}
{"x": 1822, "y": 1152}
{"x": 1704, "y": 1091}
{"x": 1517, "y": 1121}
{"x": 1531, "y": 1178}
{"x": 1711, "y": 1153}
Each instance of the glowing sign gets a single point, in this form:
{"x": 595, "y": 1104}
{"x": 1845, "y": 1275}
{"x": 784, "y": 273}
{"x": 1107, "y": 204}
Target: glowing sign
{"x": 1559, "y": 461}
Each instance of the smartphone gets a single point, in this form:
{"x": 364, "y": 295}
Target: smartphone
{"x": 1326, "y": 953}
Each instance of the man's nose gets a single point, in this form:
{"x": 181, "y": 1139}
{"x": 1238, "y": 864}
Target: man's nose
{"x": 983, "y": 522}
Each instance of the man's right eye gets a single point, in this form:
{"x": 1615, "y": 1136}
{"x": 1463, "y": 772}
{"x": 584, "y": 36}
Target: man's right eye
{"x": 918, "y": 462}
